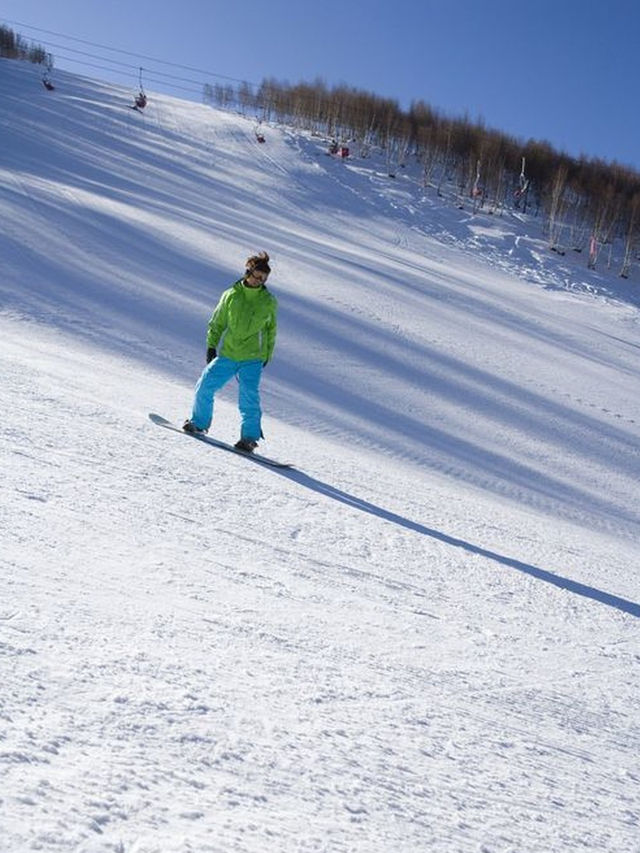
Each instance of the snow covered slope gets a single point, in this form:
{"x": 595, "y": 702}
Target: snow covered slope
{"x": 423, "y": 638}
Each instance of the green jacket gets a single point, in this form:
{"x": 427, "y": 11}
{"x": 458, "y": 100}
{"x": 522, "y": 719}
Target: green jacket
{"x": 246, "y": 317}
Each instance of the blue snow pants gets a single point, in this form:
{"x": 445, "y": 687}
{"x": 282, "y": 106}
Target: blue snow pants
{"x": 215, "y": 375}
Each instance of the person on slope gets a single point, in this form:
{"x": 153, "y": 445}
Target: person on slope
{"x": 245, "y": 319}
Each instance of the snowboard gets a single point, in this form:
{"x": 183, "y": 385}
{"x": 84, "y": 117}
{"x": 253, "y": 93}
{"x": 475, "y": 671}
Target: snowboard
{"x": 214, "y": 442}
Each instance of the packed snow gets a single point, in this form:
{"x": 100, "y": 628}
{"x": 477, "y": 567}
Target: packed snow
{"x": 424, "y": 637}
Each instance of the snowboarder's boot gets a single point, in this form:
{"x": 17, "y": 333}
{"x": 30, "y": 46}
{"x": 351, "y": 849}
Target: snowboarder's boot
{"x": 187, "y": 426}
{"x": 247, "y": 445}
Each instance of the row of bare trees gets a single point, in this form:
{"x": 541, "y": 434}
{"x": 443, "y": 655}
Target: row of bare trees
{"x": 15, "y": 46}
{"x": 586, "y": 203}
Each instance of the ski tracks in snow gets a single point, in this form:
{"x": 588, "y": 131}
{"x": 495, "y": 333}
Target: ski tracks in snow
{"x": 374, "y": 653}
{"x": 208, "y": 655}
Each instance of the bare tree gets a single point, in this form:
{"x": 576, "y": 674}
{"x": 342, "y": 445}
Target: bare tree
{"x": 246, "y": 97}
{"x": 557, "y": 207}
{"x": 632, "y": 234}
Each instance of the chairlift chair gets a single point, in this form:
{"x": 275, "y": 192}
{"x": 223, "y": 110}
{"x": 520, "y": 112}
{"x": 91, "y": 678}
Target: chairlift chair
{"x": 140, "y": 101}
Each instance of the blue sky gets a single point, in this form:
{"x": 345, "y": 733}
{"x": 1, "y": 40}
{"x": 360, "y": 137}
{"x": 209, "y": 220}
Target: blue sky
{"x": 558, "y": 71}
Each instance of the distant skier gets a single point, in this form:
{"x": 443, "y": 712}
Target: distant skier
{"x": 245, "y": 319}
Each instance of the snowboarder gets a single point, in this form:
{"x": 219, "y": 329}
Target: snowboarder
{"x": 245, "y": 319}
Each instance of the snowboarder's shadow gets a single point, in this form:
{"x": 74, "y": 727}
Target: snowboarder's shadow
{"x": 354, "y": 502}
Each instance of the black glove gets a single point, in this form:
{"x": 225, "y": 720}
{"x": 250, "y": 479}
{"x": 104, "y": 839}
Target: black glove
{"x": 211, "y": 354}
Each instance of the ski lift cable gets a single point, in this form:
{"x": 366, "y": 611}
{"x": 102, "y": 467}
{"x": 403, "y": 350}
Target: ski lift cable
{"x": 126, "y": 75}
{"x": 49, "y": 44}
{"x": 130, "y": 53}
{"x": 152, "y": 75}
{"x": 119, "y": 63}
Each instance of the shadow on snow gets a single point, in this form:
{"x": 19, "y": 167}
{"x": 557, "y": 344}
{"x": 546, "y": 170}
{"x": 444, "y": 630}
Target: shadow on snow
{"x": 590, "y": 592}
